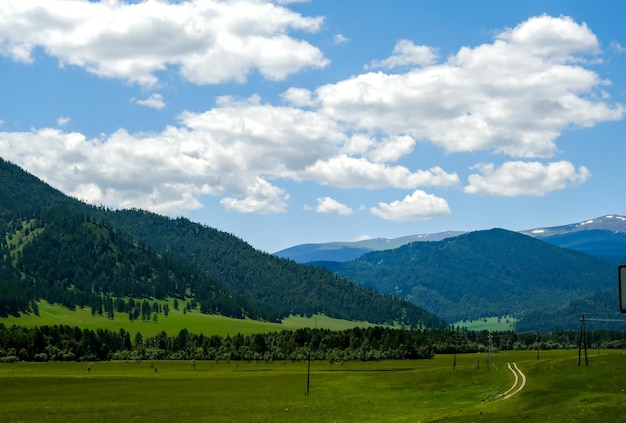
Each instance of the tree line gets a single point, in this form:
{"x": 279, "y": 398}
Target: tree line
{"x": 71, "y": 343}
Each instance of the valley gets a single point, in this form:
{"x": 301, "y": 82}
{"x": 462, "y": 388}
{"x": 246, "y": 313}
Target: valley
{"x": 399, "y": 391}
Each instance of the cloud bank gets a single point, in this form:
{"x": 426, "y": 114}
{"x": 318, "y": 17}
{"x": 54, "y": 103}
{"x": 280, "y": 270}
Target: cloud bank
{"x": 512, "y": 97}
{"x": 135, "y": 41}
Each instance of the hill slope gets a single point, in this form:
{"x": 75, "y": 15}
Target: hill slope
{"x": 76, "y": 261}
{"x": 264, "y": 279}
{"x": 260, "y": 284}
{"x": 484, "y": 273}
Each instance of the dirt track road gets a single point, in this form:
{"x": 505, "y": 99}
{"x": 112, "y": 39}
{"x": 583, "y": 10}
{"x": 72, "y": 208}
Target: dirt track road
{"x": 518, "y": 384}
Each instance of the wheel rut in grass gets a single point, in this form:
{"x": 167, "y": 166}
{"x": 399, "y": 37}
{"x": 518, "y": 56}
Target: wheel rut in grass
{"x": 518, "y": 384}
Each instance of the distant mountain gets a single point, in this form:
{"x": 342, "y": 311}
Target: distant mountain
{"x": 70, "y": 253}
{"x": 483, "y": 273}
{"x": 346, "y": 251}
{"x": 603, "y": 237}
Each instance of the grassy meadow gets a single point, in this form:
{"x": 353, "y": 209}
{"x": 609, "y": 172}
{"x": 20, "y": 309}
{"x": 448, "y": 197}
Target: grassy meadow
{"x": 390, "y": 391}
{"x": 489, "y": 323}
{"x": 194, "y": 322}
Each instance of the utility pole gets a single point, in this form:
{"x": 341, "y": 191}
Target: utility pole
{"x": 308, "y": 366}
{"x": 308, "y": 373}
{"x": 582, "y": 341}
{"x": 489, "y": 349}
{"x": 538, "y": 338}
{"x": 454, "y": 346}
{"x": 491, "y": 353}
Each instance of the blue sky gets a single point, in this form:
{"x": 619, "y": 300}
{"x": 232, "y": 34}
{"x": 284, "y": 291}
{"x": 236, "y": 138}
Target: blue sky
{"x": 288, "y": 122}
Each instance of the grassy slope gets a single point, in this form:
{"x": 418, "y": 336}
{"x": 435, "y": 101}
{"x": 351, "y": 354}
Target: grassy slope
{"x": 391, "y": 391}
{"x": 194, "y": 322}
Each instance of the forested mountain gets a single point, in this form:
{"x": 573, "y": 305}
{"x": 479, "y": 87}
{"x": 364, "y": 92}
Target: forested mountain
{"x": 603, "y": 237}
{"x": 58, "y": 248}
{"x": 483, "y": 273}
{"x": 75, "y": 261}
{"x": 266, "y": 280}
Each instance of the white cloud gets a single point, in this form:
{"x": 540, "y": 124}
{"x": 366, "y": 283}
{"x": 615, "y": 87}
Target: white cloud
{"x": 340, "y": 39}
{"x": 555, "y": 39}
{"x": 299, "y": 97}
{"x": 231, "y": 151}
{"x": 134, "y": 41}
{"x": 262, "y": 197}
{"x": 514, "y": 96}
{"x": 617, "y": 47}
{"x": 330, "y": 205}
{"x": 62, "y": 121}
{"x": 384, "y": 150}
{"x": 417, "y": 206}
{"x": 155, "y": 101}
{"x": 352, "y": 172}
{"x": 525, "y": 178}
{"x": 405, "y": 53}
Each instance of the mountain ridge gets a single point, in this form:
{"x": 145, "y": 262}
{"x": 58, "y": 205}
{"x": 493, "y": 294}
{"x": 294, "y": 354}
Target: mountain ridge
{"x": 603, "y": 237}
{"x": 268, "y": 285}
{"x": 483, "y": 273}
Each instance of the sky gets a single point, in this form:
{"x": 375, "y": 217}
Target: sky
{"x": 291, "y": 122}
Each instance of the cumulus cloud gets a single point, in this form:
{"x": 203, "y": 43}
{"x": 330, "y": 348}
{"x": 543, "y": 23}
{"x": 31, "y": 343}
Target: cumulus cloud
{"x": 134, "y": 41}
{"x": 513, "y": 96}
{"x": 262, "y": 197}
{"x": 417, "y": 206}
{"x": 385, "y": 150}
{"x": 405, "y": 53}
{"x": 330, "y": 205}
{"x": 299, "y": 97}
{"x": 525, "y": 178}
{"x": 233, "y": 151}
{"x": 155, "y": 101}
{"x": 63, "y": 120}
{"x": 340, "y": 39}
{"x": 352, "y": 172}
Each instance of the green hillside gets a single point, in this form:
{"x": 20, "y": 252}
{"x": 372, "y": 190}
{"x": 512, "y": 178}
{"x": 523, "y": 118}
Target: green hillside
{"x": 264, "y": 279}
{"x": 78, "y": 262}
{"x": 62, "y": 250}
{"x": 177, "y": 319}
{"x": 482, "y": 274}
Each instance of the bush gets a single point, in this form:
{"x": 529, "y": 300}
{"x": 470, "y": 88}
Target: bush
{"x": 41, "y": 357}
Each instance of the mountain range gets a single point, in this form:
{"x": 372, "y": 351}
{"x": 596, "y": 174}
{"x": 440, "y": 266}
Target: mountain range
{"x": 57, "y": 248}
{"x": 484, "y": 273}
{"x": 603, "y": 237}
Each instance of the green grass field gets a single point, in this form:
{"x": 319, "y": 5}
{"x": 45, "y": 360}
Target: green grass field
{"x": 390, "y": 391}
{"x": 489, "y": 323}
{"x": 194, "y": 322}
